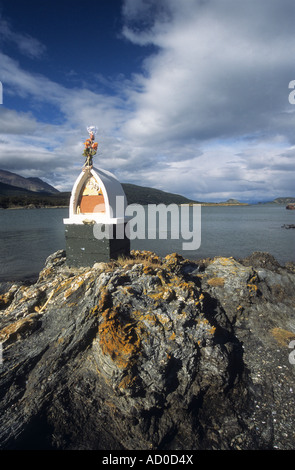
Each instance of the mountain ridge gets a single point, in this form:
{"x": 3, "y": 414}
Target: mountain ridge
{"x": 32, "y": 188}
{"x": 33, "y": 184}
{"x": 136, "y": 194}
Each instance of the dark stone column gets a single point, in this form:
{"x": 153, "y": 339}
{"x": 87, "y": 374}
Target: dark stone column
{"x": 84, "y": 249}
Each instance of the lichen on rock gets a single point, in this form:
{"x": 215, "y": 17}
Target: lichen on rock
{"x": 148, "y": 353}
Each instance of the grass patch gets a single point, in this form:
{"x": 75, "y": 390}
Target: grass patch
{"x": 216, "y": 282}
{"x": 283, "y": 337}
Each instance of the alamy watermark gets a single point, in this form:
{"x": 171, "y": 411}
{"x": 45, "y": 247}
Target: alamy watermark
{"x": 155, "y": 221}
{"x": 292, "y": 354}
{"x": 292, "y": 93}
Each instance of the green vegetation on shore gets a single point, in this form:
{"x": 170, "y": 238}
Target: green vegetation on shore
{"x": 35, "y": 200}
{"x": 13, "y": 197}
{"x": 144, "y": 195}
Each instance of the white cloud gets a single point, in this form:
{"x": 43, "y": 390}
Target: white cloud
{"x": 208, "y": 116}
{"x": 221, "y": 74}
{"x": 31, "y": 143}
{"x": 211, "y": 65}
{"x": 27, "y": 45}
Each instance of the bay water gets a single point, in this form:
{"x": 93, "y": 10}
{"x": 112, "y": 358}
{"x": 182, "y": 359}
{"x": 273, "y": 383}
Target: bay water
{"x": 29, "y": 236}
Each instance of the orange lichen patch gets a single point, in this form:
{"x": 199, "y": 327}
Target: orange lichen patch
{"x": 216, "y": 282}
{"x": 104, "y": 299}
{"x": 189, "y": 287}
{"x": 142, "y": 317}
{"x": 164, "y": 277}
{"x": 148, "y": 270}
{"x": 27, "y": 293}
{"x": 64, "y": 284}
{"x": 173, "y": 336}
{"x": 118, "y": 340}
{"x": 225, "y": 261}
{"x": 127, "y": 381}
{"x": 76, "y": 283}
{"x": 94, "y": 310}
{"x": 252, "y": 286}
{"x": 204, "y": 324}
{"x": 164, "y": 319}
{"x": 183, "y": 313}
{"x": 16, "y": 329}
{"x": 145, "y": 255}
{"x": 173, "y": 286}
{"x": 147, "y": 259}
{"x": 5, "y": 300}
{"x": 283, "y": 337}
{"x": 162, "y": 293}
{"x": 212, "y": 330}
{"x": 173, "y": 259}
{"x": 45, "y": 273}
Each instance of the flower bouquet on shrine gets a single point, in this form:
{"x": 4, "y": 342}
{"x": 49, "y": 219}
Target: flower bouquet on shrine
{"x": 90, "y": 147}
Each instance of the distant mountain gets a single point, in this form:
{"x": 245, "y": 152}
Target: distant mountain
{"x": 284, "y": 200}
{"x": 10, "y": 191}
{"x": 35, "y": 185}
{"x": 41, "y": 186}
{"x": 144, "y": 195}
{"x": 279, "y": 200}
{"x": 232, "y": 201}
{"x": 12, "y": 196}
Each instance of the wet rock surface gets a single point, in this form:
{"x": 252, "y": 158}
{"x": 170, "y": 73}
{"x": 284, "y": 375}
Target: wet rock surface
{"x": 149, "y": 353}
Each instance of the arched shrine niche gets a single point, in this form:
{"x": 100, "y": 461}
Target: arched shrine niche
{"x": 97, "y": 195}
{"x": 91, "y": 199}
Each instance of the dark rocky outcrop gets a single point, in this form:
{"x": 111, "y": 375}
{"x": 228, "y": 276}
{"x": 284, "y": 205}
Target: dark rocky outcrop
{"x": 149, "y": 353}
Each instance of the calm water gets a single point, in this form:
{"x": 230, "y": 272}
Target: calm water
{"x": 29, "y": 236}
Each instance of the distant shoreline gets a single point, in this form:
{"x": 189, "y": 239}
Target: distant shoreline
{"x": 29, "y": 207}
{"x": 225, "y": 204}
{"x": 203, "y": 204}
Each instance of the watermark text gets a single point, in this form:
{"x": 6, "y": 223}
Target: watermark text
{"x": 292, "y": 93}
{"x": 155, "y": 221}
{"x": 292, "y": 353}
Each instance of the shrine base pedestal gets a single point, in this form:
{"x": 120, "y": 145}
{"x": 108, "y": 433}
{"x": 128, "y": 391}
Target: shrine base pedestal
{"x": 84, "y": 249}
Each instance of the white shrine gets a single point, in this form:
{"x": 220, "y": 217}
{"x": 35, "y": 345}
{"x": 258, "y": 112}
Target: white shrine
{"x": 97, "y": 207}
{"x": 97, "y": 195}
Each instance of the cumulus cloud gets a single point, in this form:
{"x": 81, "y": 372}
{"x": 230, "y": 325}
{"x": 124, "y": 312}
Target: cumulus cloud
{"x": 207, "y": 117}
{"x": 28, "y": 143}
{"x": 220, "y": 75}
{"x": 221, "y": 70}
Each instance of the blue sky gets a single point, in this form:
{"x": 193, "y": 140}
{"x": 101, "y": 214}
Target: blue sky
{"x": 188, "y": 96}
